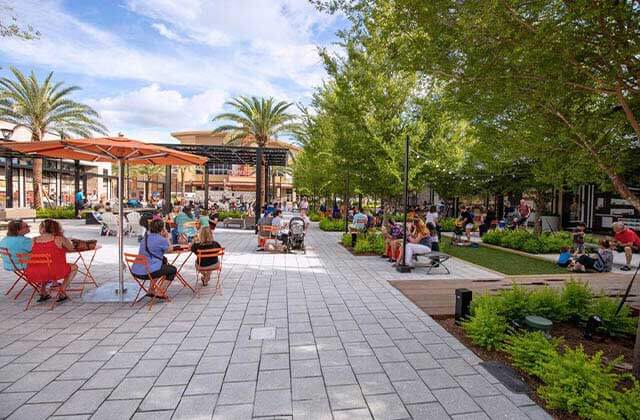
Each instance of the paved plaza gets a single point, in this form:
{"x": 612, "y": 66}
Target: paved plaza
{"x": 315, "y": 336}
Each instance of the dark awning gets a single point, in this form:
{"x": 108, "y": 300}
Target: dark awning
{"x": 235, "y": 155}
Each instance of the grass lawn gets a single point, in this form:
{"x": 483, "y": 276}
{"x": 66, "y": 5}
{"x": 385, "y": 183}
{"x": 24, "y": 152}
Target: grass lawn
{"x": 501, "y": 261}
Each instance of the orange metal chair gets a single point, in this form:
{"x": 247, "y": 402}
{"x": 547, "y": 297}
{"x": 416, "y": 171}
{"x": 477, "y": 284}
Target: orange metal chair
{"x": 41, "y": 259}
{"x": 4, "y": 253}
{"x": 268, "y": 233}
{"x": 132, "y": 259}
{"x": 210, "y": 253}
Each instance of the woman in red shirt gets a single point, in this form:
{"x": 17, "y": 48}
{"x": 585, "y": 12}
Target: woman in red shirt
{"x": 53, "y": 243}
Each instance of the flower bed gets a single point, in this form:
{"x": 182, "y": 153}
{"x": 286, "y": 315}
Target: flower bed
{"x": 570, "y": 379}
{"x": 523, "y": 240}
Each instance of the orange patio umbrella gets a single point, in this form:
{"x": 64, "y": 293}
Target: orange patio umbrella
{"x": 120, "y": 150}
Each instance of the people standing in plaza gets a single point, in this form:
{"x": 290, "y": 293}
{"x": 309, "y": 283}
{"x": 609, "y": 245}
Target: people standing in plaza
{"x": 524, "y": 211}
{"x": 466, "y": 219}
{"x": 52, "y": 242}
{"x": 304, "y": 204}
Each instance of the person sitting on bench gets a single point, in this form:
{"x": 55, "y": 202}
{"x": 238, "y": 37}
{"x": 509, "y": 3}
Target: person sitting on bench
{"x": 358, "y": 225}
{"x": 418, "y": 242}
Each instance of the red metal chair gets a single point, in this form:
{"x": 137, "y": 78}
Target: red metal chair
{"x": 4, "y": 253}
{"x": 132, "y": 259}
{"x": 45, "y": 260}
{"x": 210, "y": 253}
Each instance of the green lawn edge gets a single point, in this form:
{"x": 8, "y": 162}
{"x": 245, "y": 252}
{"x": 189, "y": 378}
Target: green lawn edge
{"x": 501, "y": 261}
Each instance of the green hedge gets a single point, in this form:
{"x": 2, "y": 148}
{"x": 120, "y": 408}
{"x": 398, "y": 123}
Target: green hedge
{"x": 523, "y": 240}
{"x": 332, "y": 225}
{"x": 573, "y": 381}
{"x": 365, "y": 243}
{"x": 447, "y": 224}
{"x": 67, "y": 212}
{"x": 234, "y": 214}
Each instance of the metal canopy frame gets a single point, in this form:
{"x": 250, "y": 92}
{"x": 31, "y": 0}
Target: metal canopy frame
{"x": 234, "y": 155}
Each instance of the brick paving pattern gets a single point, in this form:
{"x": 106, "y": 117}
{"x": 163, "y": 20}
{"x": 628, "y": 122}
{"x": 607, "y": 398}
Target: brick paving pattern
{"x": 346, "y": 345}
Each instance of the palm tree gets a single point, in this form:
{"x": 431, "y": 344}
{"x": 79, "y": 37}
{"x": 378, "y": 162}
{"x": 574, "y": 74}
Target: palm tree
{"x": 258, "y": 118}
{"x": 45, "y": 108}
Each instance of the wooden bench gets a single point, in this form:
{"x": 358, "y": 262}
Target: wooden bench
{"x": 435, "y": 260}
{"x": 17, "y": 213}
{"x": 240, "y": 222}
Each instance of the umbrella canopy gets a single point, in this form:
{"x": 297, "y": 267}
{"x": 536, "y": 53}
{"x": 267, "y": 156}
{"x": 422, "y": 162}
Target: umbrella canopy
{"x": 107, "y": 149}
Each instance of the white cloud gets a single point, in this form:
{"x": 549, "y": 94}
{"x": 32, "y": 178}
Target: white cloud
{"x": 153, "y": 111}
{"x": 211, "y": 47}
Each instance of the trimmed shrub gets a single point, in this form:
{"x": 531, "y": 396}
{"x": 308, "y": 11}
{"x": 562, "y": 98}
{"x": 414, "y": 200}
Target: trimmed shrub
{"x": 577, "y": 383}
{"x": 547, "y": 302}
{"x": 606, "y": 308}
{"x": 447, "y": 224}
{"x": 526, "y": 241}
{"x": 315, "y": 217}
{"x": 626, "y": 405}
{"x": 332, "y": 225}
{"x": 346, "y": 239}
{"x": 577, "y": 297}
{"x": 234, "y": 214}
{"x": 486, "y": 328}
{"x": 67, "y": 212}
{"x": 531, "y": 350}
{"x": 377, "y": 243}
{"x": 513, "y": 304}
{"x": 362, "y": 245}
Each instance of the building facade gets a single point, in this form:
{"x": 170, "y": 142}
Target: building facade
{"x": 232, "y": 180}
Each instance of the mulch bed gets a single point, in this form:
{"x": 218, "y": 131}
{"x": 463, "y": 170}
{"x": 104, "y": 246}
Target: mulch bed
{"x": 611, "y": 347}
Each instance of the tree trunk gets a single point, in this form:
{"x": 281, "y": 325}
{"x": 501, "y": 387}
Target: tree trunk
{"x": 540, "y": 205}
{"x": 621, "y": 188}
{"x": 37, "y": 176}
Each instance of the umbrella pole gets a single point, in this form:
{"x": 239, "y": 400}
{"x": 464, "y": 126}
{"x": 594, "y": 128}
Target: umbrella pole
{"x": 121, "y": 290}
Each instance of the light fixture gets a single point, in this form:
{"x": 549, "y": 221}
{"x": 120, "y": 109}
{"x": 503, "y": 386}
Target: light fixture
{"x": 6, "y": 133}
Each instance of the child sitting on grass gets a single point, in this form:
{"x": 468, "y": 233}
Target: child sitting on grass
{"x": 565, "y": 257}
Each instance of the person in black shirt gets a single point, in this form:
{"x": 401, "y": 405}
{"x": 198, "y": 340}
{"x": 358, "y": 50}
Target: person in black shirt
{"x": 466, "y": 217}
{"x": 205, "y": 265}
{"x": 488, "y": 220}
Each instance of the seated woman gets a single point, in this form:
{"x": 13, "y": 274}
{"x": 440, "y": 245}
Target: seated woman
{"x": 154, "y": 245}
{"x": 203, "y": 219}
{"x": 418, "y": 242}
{"x": 53, "y": 243}
{"x": 205, "y": 241}
{"x": 184, "y": 217}
{"x": 602, "y": 263}
{"x": 16, "y": 243}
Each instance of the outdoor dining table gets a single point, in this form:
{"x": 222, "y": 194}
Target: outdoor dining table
{"x": 84, "y": 268}
{"x": 179, "y": 251}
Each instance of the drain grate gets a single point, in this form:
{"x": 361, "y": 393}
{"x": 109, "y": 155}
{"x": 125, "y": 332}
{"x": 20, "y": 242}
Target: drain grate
{"x": 263, "y": 333}
{"x": 507, "y": 375}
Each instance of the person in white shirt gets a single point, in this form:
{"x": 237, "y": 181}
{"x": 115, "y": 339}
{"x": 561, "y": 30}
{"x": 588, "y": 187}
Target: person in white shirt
{"x": 432, "y": 215}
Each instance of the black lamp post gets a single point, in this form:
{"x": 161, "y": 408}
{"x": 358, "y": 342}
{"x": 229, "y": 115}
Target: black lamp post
{"x": 346, "y": 206}
{"x": 402, "y": 266}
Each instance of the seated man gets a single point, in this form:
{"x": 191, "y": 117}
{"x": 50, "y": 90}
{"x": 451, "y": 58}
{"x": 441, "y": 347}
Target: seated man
{"x": 358, "y": 225}
{"x": 265, "y": 220}
{"x": 627, "y": 241}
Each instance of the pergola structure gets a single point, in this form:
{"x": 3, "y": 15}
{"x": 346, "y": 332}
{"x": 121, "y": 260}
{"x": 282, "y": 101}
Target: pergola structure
{"x": 232, "y": 155}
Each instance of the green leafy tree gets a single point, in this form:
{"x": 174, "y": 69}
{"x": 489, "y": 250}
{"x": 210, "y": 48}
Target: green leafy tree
{"x": 45, "y": 107}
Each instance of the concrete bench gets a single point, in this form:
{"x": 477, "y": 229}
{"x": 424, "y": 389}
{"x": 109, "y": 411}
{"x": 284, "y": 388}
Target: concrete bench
{"x": 17, "y": 213}
{"x": 434, "y": 260}
{"x": 232, "y": 221}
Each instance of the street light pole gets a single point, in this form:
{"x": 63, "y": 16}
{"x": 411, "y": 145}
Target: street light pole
{"x": 346, "y": 207}
{"x": 402, "y": 266}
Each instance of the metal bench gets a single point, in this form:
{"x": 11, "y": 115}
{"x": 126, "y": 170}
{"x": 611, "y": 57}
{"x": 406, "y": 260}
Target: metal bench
{"x": 435, "y": 260}
{"x": 234, "y": 221}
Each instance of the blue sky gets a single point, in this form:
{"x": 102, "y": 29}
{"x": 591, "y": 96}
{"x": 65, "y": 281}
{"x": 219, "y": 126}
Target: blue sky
{"x": 155, "y": 66}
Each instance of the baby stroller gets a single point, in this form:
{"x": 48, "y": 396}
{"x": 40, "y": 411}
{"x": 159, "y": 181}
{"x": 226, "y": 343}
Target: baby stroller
{"x": 296, "y": 234}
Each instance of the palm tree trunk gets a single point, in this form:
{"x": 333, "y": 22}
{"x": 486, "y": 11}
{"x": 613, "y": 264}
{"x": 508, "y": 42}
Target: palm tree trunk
{"x": 37, "y": 176}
